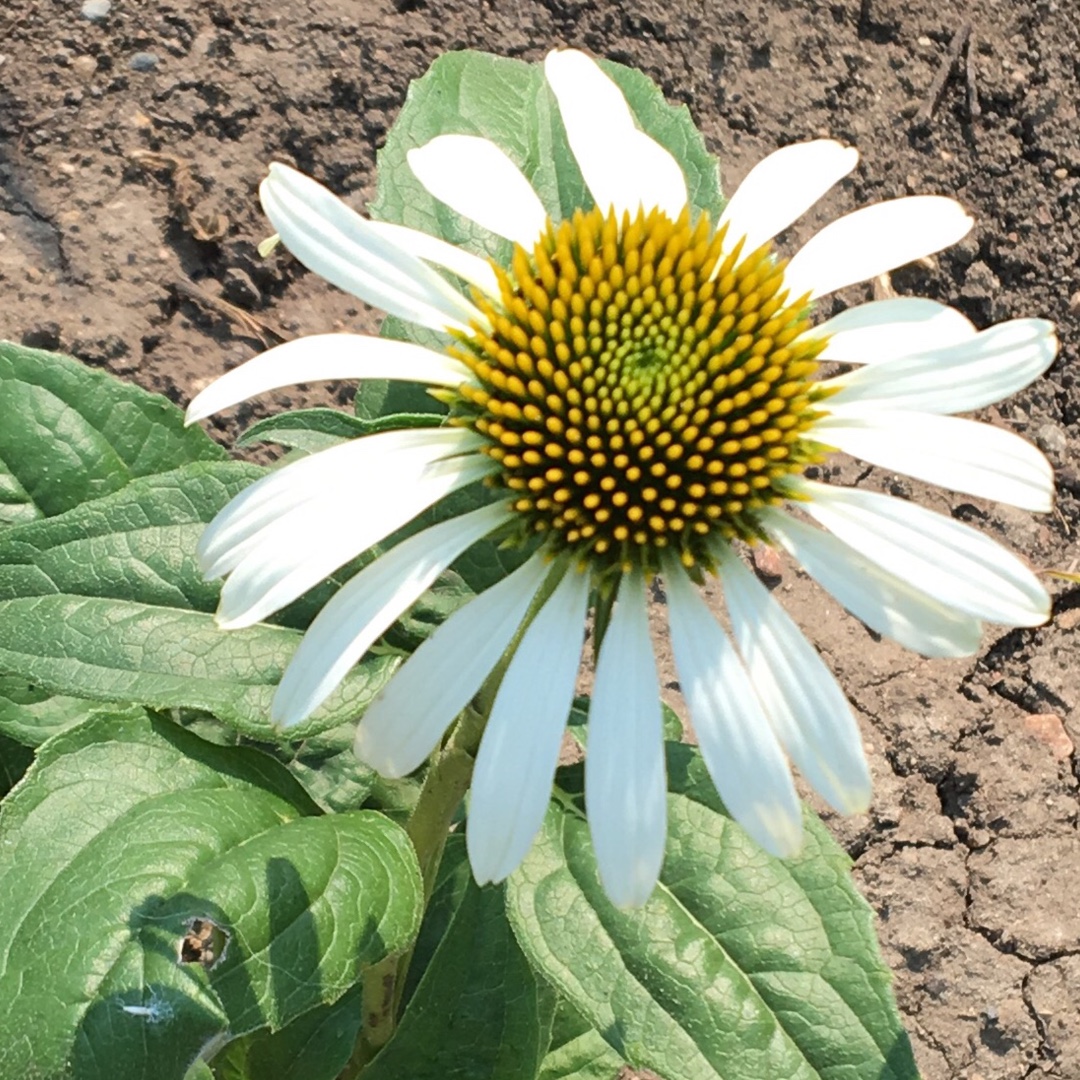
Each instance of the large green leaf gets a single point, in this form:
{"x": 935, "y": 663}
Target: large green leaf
{"x": 508, "y": 102}
{"x": 107, "y": 602}
{"x": 315, "y": 1046}
{"x": 477, "y": 1012}
{"x": 30, "y": 715}
{"x": 126, "y": 830}
{"x": 311, "y": 430}
{"x": 71, "y": 434}
{"x": 577, "y": 1050}
{"x": 740, "y": 967}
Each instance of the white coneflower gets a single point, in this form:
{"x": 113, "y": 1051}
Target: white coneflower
{"x": 638, "y": 389}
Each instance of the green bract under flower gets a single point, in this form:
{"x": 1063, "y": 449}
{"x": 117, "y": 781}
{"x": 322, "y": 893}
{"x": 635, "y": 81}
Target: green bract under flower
{"x": 641, "y": 390}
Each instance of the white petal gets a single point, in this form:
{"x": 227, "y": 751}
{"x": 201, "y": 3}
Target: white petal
{"x": 472, "y": 268}
{"x": 958, "y": 378}
{"x": 403, "y": 724}
{"x": 312, "y": 478}
{"x": 364, "y": 608}
{"x": 339, "y": 245}
{"x": 882, "y": 330}
{"x": 623, "y": 167}
{"x": 475, "y": 178}
{"x": 625, "y": 785}
{"x": 887, "y": 604}
{"x": 327, "y": 356}
{"x": 945, "y": 558}
{"x": 511, "y": 785}
{"x": 297, "y": 552}
{"x": 807, "y": 709}
{"x": 964, "y": 455}
{"x": 741, "y": 751}
{"x": 782, "y": 187}
{"x": 874, "y": 240}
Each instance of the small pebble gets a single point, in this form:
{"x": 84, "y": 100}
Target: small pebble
{"x": 96, "y": 10}
{"x": 85, "y": 67}
{"x": 767, "y": 563}
{"x": 1074, "y": 304}
{"x": 143, "y": 61}
{"x": 1051, "y": 439}
{"x": 1049, "y": 730}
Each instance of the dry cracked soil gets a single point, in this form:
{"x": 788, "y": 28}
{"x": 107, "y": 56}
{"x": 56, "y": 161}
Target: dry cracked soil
{"x": 131, "y": 146}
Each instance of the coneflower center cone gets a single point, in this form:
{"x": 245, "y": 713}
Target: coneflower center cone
{"x": 643, "y": 392}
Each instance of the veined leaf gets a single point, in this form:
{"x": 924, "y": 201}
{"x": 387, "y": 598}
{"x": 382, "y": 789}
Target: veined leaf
{"x": 508, "y": 102}
{"x": 106, "y": 602}
{"x": 71, "y": 434}
{"x": 477, "y": 1011}
{"x": 160, "y": 895}
{"x": 741, "y": 966}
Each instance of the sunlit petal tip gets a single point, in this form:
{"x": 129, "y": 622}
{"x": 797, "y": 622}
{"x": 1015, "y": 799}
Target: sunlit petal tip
{"x": 477, "y": 179}
{"x": 780, "y": 834}
{"x": 874, "y": 240}
{"x": 782, "y": 187}
{"x": 623, "y": 168}
{"x": 337, "y": 243}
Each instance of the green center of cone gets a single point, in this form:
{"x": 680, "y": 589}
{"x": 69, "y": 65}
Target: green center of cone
{"x": 642, "y": 392}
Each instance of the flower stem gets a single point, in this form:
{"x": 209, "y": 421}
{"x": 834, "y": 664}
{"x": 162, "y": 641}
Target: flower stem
{"x": 443, "y": 789}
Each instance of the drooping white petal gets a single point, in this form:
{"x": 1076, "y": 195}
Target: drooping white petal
{"x": 403, "y": 724}
{"x": 882, "y": 330}
{"x": 964, "y": 455}
{"x": 339, "y": 245}
{"x": 740, "y": 748}
{"x": 471, "y": 268}
{"x": 623, "y": 167}
{"x": 297, "y": 552}
{"x": 511, "y": 785}
{"x": 887, "y": 604}
{"x": 945, "y": 558}
{"x": 364, "y": 608}
{"x": 476, "y": 178}
{"x": 958, "y": 378}
{"x": 782, "y": 187}
{"x": 330, "y": 471}
{"x": 874, "y": 240}
{"x": 327, "y": 356}
{"x": 625, "y": 786}
{"x": 806, "y": 707}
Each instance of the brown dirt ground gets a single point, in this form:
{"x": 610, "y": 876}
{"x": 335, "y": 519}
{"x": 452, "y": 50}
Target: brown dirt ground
{"x": 128, "y": 214}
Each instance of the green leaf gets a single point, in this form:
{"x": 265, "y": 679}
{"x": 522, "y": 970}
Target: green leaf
{"x": 107, "y": 602}
{"x": 30, "y": 715}
{"x": 740, "y": 967}
{"x": 315, "y": 1046}
{"x": 71, "y": 434}
{"x": 128, "y": 835}
{"x": 478, "y": 1012}
{"x": 578, "y": 1051}
{"x": 311, "y": 430}
{"x": 329, "y": 770}
{"x": 123, "y": 651}
{"x": 508, "y": 102}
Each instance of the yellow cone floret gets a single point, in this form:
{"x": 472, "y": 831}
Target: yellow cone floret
{"x": 640, "y": 395}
